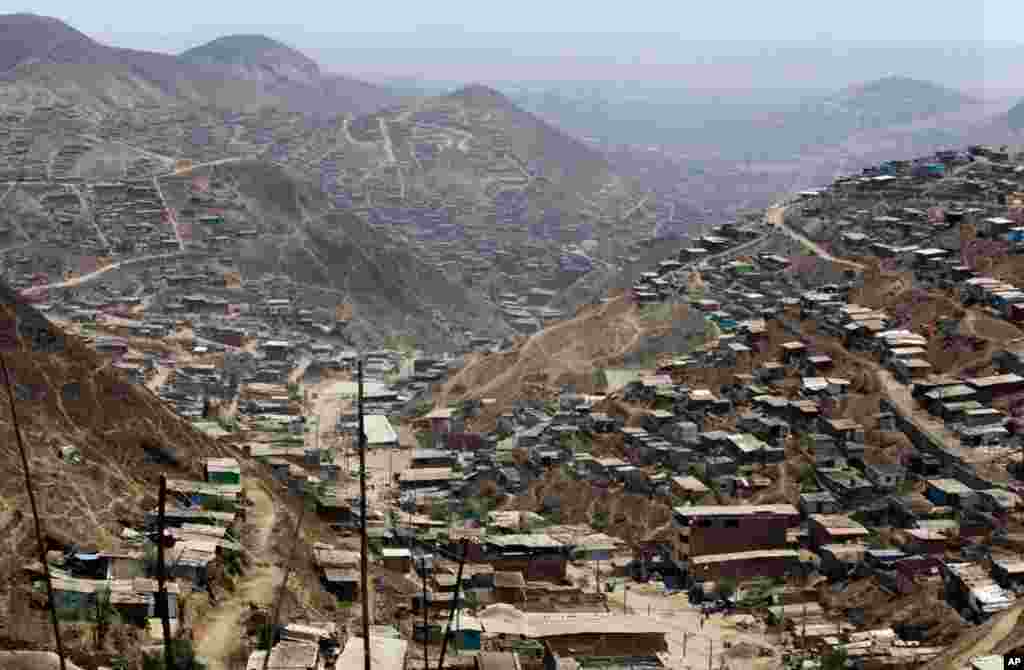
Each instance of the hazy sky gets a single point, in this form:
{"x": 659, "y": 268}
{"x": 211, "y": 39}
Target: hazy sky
{"x": 468, "y": 39}
{"x": 723, "y": 19}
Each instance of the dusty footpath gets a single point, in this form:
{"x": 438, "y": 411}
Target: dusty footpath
{"x": 221, "y": 630}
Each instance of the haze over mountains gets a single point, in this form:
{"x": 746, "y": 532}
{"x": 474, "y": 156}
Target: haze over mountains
{"x": 490, "y": 190}
{"x": 255, "y": 71}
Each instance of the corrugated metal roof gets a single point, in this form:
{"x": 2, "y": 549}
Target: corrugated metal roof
{"x": 378, "y": 430}
{"x": 735, "y": 510}
{"x": 511, "y": 621}
{"x": 745, "y": 556}
{"x": 534, "y": 540}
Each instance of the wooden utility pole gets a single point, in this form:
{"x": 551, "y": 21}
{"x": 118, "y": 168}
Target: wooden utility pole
{"x": 364, "y": 545}
{"x": 35, "y": 515}
{"x": 426, "y": 624}
{"x": 455, "y": 603}
{"x": 161, "y": 578}
{"x": 803, "y": 632}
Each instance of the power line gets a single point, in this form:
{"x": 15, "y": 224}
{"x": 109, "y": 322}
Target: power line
{"x": 161, "y": 575}
{"x": 363, "y": 539}
{"x": 35, "y": 515}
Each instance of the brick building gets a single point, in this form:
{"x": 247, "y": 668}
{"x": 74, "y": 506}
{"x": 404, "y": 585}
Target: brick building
{"x": 728, "y": 529}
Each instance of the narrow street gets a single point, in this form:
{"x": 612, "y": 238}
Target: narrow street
{"x": 101, "y": 271}
{"x": 381, "y": 464}
{"x": 777, "y": 217}
{"x": 689, "y": 643}
{"x": 83, "y": 203}
{"x": 170, "y": 213}
{"x": 221, "y": 630}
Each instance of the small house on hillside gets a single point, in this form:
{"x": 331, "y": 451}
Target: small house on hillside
{"x": 223, "y": 471}
{"x": 339, "y": 571}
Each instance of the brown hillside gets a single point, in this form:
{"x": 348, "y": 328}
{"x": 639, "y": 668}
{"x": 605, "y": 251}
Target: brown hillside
{"x": 567, "y": 353}
{"x": 125, "y": 435}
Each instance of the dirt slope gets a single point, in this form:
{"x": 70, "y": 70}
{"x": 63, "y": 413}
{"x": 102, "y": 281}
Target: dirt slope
{"x": 219, "y": 634}
{"x": 73, "y": 397}
{"x": 997, "y": 636}
{"x": 567, "y": 352}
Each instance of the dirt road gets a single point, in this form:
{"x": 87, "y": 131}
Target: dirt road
{"x": 777, "y": 217}
{"x": 687, "y": 635}
{"x": 380, "y": 463}
{"x": 221, "y": 631}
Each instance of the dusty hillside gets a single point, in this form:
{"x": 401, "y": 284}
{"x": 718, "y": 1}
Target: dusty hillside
{"x": 957, "y": 351}
{"x": 391, "y": 288}
{"x": 578, "y": 167}
{"x": 568, "y": 352}
{"x": 999, "y": 635}
{"x": 126, "y": 437}
{"x": 630, "y": 517}
{"x": 925, "y": 608}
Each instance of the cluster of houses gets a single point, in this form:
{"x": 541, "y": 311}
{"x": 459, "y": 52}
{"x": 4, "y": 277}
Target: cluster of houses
{"x": 949, "y": 520}
{"x": 126, "y": 216}
{"x": 202, "y": 525}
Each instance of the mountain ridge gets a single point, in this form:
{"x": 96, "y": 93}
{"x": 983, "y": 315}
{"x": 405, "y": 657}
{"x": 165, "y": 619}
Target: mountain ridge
{"x": 255, "y": 57}
{"x": 283, "y": 76}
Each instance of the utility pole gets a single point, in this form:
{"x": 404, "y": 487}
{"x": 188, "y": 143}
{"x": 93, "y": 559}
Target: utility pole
{"x": 363, "y": 541}
{"x": 161, "y": 595}
{"x": 35, "y": 514}
{"x": 711, "y": 647}
{"x": 455, "y": 603}
{"x": 686, "y": 638}
{"x": 803, "y": 633}
{"x": 426, "y": 624}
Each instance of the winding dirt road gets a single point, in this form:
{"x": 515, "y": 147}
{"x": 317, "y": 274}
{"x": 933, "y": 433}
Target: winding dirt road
{"x": 776, "y": 216}
{"x": 218, "y": 636}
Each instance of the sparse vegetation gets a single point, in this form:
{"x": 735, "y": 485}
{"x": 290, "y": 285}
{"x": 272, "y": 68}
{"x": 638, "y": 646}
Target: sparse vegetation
{"x": 725, "y": 588}
{"x": 578, "y": 442}
{"x": 182, "y": 653}
{"x": 424, "y": 439}
{"x": 661, "y": 311}
{"x": 834, "y": 659}
{"x": 808, "y": 482}
{"x": 422, "y": 409}
{"x": 439, "y": 511}
{"x": 103, "y": 615}
{"x": 405, "y": 344}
